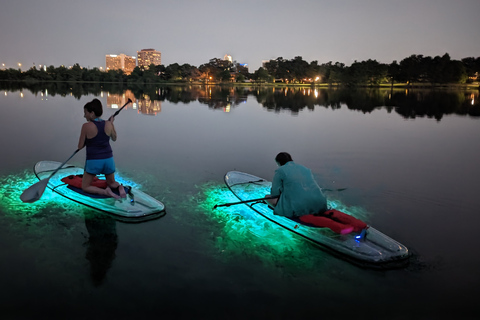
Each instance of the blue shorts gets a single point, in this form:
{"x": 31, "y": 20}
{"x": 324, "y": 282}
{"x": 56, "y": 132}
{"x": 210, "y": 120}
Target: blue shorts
{"x": 99, "y": 166}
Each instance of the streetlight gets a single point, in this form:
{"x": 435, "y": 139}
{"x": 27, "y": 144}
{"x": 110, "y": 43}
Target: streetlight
{"x": 20, "y": 66}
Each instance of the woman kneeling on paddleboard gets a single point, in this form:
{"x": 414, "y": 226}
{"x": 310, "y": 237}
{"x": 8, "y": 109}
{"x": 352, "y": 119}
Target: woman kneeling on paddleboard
{"x": 299, "y": 197}
{"x": 96, "y": 135}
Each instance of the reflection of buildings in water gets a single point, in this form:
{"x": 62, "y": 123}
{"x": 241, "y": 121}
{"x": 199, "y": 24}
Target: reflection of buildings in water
{"x": 115, "y": 101}
{"x": 149, "y": 107}
{"x": 472, "y": 98}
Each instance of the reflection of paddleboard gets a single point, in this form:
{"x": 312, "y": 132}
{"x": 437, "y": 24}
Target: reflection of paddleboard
{"x": 138, "y": 205}
{"x": 374, "y": 249}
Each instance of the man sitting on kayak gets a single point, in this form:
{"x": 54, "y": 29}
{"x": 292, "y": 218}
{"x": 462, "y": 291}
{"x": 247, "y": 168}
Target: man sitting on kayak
{"x": 299, "y": 197}
{"x": 96, "y": 135}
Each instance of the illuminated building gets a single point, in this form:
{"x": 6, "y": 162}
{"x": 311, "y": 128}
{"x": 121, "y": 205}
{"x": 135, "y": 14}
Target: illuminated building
{"x": 120, "y": 62}
{"x": 228, "y": 57}
{"x": 146, "y": 57}
{"x": 130, "y": 64}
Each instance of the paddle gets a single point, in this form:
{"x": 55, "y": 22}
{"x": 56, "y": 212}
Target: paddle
{"x": 35, "y": 191}
{"x": 118, "y": 111}
{"x": 240, "y": 202}
{"x": 341, "y": 189}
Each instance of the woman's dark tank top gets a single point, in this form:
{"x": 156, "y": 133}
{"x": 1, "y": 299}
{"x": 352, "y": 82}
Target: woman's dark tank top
{"x": 99, "y": 146}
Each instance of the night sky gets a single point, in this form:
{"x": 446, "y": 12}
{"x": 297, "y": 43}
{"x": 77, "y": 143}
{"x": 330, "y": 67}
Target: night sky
{"x": 64, "y": 32}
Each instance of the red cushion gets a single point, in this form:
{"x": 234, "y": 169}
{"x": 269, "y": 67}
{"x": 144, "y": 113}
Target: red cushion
{"x": 76, "y": 181}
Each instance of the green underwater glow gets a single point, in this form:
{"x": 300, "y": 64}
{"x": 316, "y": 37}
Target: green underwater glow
{"x": 36, "y": 224}
{"x": 39, "y": 212}
{"x": 12, "y": 186}
{"x": 244, "y": 232}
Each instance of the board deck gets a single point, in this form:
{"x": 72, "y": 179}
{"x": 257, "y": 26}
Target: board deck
{"x": 374, "y": 250}
{"x": 138, "y": 206}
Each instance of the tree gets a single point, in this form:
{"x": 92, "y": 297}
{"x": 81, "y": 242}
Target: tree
{"x": 94, "y": 75}
{"x": 272, "y": 66}
{"x": 173, "y": 72}
{"x": 261, "y": 75}
{"x": 393, "y": 72}
{"x": 412, "y": 69}
{"x": 225, "y": 76}
{"x": 149, "y": 75}
{"x": 336, "y": 73}
{"x": 472, "y": 67}
{"x": 299, "y": 69}
{"x": 189, "y": 72}
{"x": 159, "y": 69}
{"x": 240, "y": 78}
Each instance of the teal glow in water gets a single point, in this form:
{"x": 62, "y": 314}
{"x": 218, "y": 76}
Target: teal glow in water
{"x": 244, "y": 234}
{"x": 12, "y": 186}
{"x": 43, "y": 210}
{"x": 38, "y": 224}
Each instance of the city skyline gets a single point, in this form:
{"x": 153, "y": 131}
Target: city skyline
{"x": 55, "y": 33}
{"x": 127, "y": 63}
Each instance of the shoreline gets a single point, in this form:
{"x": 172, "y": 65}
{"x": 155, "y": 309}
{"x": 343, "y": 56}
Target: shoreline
{"x": 469, "y": 86}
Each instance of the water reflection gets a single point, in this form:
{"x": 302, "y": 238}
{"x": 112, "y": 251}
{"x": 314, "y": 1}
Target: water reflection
{"x": 101, "y": 245}
{"x": 408, "y": 103}
{"x": 434, "y": 104}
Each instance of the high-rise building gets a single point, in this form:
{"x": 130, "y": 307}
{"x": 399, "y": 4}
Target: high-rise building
{"x": 120, "y": 61}
{"x": 130, "y": 63}
{"x": 146, "y": 57}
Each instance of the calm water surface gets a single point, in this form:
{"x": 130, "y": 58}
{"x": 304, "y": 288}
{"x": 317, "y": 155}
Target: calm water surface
{"x": 409, "y": 161}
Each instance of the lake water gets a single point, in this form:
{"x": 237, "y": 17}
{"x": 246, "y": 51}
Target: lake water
{"x": 409, "y": 160}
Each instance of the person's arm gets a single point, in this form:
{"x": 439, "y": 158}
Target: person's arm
{"x": 110, "y": 129}
{"x": 277, "y": 185}
{"x": 83, "y": 136}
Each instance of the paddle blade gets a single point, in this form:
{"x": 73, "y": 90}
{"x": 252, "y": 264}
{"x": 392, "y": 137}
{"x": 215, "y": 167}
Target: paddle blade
{"x": 34, "y": 192}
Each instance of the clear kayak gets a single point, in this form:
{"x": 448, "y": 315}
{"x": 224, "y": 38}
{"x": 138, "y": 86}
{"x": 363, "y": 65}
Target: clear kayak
{"x": 138, "y": 206}
{"x": 370, "y": 249}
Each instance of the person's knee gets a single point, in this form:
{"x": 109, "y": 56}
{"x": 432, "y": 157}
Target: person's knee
{"x": 86, "y": 181}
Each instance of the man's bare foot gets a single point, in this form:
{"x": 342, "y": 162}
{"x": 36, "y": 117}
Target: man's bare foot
{"x": 111, "y": 194}
{"x": 122, "y": 192}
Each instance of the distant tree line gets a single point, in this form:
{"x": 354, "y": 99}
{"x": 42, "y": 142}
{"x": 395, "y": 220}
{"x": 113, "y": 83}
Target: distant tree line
{"x": 414, "y": 69}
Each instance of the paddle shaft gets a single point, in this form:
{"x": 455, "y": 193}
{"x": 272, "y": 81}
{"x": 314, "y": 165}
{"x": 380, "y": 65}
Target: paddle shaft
{"x": 56, "y": 170}
{"x": 118, "y": 111}
{"x": 240, "y": 202}
{"x": 341, "y": 189}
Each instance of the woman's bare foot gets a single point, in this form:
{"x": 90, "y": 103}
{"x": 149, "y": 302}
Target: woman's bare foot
{"x": 122, "y": 192}
{"x": 111, "y": 194}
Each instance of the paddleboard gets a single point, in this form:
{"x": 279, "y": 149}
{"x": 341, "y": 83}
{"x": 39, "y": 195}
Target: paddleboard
{"x": 138, "y": 206}
{"x": 373, "y": 249}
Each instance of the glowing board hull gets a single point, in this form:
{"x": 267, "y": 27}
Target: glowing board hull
{"x": 375, "y": 250}
{"x": 136, "y": 207}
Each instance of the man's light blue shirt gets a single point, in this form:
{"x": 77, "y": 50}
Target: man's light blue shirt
{"x": 299, "y": 192}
